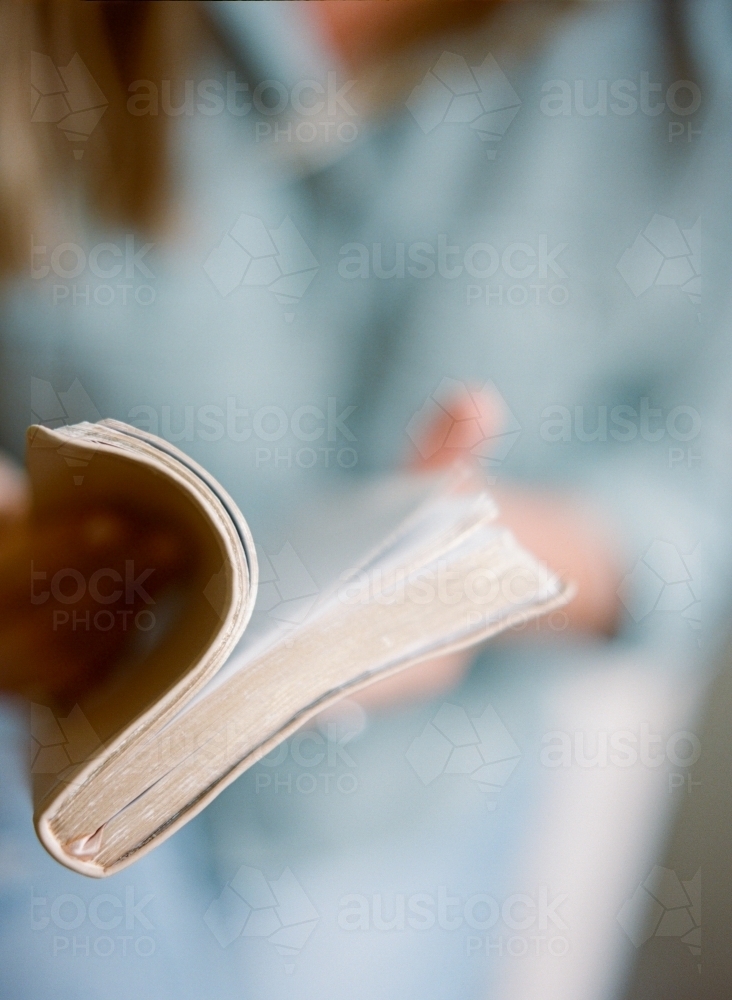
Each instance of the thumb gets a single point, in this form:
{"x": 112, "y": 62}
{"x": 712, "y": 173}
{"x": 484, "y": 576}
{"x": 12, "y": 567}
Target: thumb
{"x": 13, "y": 490}
{"x": 458, "y": 427}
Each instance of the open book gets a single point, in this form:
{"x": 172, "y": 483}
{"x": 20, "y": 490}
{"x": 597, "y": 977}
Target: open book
{"x": 407, "y": 568}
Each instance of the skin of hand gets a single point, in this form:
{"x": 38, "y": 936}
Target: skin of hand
{"x": 570, "y": 539}
{"x": 364, "y": 32}
{"x": 71, "y": 588}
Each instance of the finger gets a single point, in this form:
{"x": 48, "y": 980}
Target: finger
{"x": 460, "y": 428}
{"x": 13, "y": 491}
{"x": 67, "y": 553}
{"x": 61, "y": 647}
{"x": 32, "y": 660}
{"x": 71, "y": 626}
{"x": 47, "y": 546}
{"x": 62, "y": 606}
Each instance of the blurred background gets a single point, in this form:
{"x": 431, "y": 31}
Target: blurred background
{"x": 315, "y": 240}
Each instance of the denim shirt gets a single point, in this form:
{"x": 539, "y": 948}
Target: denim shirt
{"x": 527, "y": 217}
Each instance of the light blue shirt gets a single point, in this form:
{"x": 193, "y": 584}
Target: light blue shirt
{"x": 530, "y": 220}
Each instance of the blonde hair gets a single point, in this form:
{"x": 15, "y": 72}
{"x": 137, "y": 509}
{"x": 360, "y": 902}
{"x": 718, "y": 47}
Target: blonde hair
{"x": 119, "y": 170}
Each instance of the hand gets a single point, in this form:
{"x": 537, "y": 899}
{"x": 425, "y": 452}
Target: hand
{"x": 365, "y": 34}
{"x": 466, "y": 420}
{"x": 74, "y": 591}
{"x": 571, "y": 540}
{"x": 574, "y": 542}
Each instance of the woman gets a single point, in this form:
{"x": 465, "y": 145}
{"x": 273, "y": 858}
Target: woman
{"x": 398, "y": 269}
